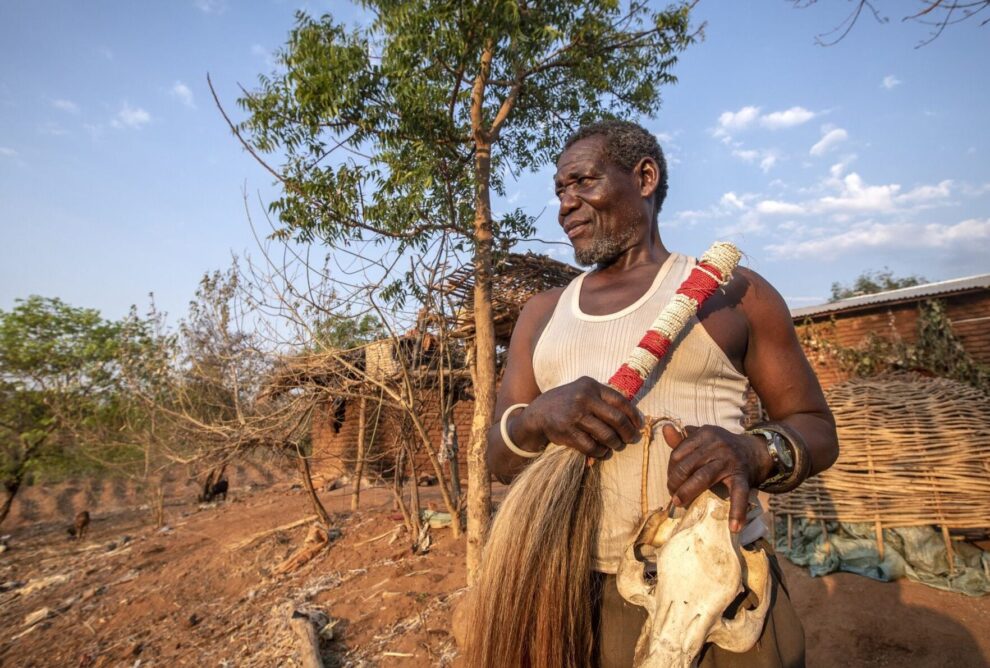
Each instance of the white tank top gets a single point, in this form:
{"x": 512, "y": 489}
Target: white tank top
{"x": 695, "y": 383}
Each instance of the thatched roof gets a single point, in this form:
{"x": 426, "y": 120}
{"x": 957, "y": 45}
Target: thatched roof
{"x": 339, "y": 374}
{"x": 517, "y": 277}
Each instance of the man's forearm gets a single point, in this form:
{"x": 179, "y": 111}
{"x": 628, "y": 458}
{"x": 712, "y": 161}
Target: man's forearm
{"x": 817, "y": 431}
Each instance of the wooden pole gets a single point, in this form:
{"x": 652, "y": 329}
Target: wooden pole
{"x": 949, "y": 552}
{"x": 359, "y": 464}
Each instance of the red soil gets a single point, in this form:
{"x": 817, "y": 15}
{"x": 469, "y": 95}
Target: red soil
{"x": 201, "y": 594}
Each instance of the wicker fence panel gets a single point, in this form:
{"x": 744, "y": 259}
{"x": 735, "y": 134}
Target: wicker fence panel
{"x": 912, "y": 451}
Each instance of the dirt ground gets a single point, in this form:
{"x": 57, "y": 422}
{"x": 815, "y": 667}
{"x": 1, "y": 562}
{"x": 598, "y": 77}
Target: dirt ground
{"x": 201, "y": 592}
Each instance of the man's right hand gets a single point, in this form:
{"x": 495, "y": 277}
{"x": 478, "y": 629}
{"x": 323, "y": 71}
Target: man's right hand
{"x": 586, "y": 415}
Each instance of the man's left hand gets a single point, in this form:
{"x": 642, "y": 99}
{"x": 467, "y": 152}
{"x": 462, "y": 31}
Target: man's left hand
{"x": 709, "y": 455}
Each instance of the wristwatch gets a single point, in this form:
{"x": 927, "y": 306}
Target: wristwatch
{"x": 780, "y": 452}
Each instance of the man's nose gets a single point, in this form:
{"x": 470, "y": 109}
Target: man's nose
{"x": 568, "y": 203}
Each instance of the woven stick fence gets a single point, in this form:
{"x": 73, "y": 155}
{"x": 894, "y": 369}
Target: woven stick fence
{"x": 913, "y": 451}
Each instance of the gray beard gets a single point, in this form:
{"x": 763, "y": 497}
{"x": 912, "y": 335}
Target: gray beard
{"x": 603, "y": 250}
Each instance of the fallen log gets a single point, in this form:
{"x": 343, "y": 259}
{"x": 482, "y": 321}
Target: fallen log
{"x": 309, "y": 641}
{"x": 316, "y": 540}
{"x": 258, "y": 536}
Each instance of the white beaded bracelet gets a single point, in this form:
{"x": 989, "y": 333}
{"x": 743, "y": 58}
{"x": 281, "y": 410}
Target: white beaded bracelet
{"x": 508, "y": 441}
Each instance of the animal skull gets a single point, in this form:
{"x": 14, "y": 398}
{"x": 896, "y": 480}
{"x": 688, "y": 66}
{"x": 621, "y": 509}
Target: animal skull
{"x": 700, "y": 571}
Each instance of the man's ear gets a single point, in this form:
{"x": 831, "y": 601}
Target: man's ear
{"x": 648, "y": 173}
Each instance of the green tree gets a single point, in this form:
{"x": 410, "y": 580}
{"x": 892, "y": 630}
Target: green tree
{"x": 58, "y": 371}
{"x": 401, "y": 129}
{"x": 872, "y": 282}
{"x": 341, "y": 332}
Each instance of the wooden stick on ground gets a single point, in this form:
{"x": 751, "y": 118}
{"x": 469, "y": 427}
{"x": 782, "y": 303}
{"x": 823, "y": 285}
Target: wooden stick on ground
{"x": 258, "y": 536}
{"x": 315, "y": 541}
{"x": 309, "y": 641}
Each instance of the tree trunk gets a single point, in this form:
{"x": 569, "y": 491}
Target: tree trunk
{"x": 10, "y": 488}
{"x": 416, "y": 510}
{"x": 448, "y": 501}
{"x": 359, "y": 464}
{"x": 483, "y": 370}
{"x": 307, "y": 479}
{"x": 450, "y": 445}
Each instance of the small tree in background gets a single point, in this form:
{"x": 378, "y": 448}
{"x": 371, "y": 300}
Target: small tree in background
{"x": 58, "y": 374}
{"x": 872, "y": 282}
{"x": 402, "y": 128}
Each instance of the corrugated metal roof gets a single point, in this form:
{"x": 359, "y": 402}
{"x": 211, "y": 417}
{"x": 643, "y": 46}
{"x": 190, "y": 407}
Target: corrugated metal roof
{"x": 981, "y": 281}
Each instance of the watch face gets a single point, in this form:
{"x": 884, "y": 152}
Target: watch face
{"x": 783, "y": 453}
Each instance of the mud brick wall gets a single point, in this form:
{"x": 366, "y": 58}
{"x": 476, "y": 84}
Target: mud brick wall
{"x": 335, "y": 440}
{"x": 968, "y": 313}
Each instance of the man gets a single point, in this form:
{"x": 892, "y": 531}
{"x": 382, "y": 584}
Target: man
{"x": 611, "y": 181}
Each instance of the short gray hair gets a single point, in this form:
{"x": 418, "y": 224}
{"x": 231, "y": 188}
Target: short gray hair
{"x": 626, "y": 143}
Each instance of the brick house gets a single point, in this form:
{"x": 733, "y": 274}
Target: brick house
{"x": 894, "y": 315}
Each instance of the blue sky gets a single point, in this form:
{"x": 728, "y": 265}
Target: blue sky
{"x": 118, "y": 177}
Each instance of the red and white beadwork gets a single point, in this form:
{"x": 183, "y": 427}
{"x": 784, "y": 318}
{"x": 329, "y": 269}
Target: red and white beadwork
{"x": 713, "y": 270}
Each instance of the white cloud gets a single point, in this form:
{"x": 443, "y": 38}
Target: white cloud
{"x": 975, "y": 191}
{"x": 131, "y": 117}
{"x": 731, "y": 199}
{"x": 731, "y": 121}
{"x": 746, "y": 155}
{"x": 839, "y": 168}
{"x": 211, "y": 6}
{"x": 855, "y": 196}
{"x": 923, "y": 194}
{"x": 890, "y": 82}
{"x": 849, "y": 196}
{"x": 729, "y": 205}
{"x": 828, "y": 141}
{"x": 787, "y": 118}
{"x": 767, "y": 157}
{"x": 748, "y": 224}
{"x": 773, "y": 207}
{"x": 737, "y": 120}
{"x": 66, "y": 105}
{"x": 7, "y": 152}
{"x": 972, "y": 234}
{"x": 184, "y": 95}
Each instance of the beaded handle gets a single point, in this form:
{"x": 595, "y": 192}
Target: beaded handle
{"x": 713, "y": 270}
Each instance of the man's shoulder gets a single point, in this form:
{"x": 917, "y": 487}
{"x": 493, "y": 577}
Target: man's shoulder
{"x": 542, "y": 303}
{"x": 757, "y": 297}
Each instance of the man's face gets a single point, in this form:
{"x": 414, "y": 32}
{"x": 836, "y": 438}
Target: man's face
{"x": 601, "y": 207}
